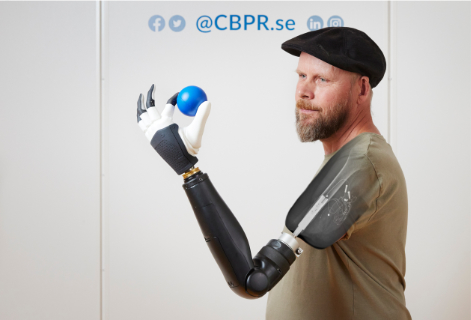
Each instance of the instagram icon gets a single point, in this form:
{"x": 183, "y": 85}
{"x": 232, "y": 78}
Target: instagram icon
{"x": 335, "y": 21}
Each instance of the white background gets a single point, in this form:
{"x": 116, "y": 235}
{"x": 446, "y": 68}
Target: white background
{"x": 94, "y": 225}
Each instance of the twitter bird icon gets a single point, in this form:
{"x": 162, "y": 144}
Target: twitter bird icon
{"x": 177, "y": 23}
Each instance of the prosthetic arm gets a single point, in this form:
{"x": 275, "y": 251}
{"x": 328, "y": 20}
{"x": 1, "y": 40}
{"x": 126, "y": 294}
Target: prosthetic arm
{"x": 248, "y": 277}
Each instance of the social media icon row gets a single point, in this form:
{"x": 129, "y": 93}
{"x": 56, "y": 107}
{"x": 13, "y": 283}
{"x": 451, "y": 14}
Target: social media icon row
{"x": 176, "y": 23}
{"x": 316, "y": 22}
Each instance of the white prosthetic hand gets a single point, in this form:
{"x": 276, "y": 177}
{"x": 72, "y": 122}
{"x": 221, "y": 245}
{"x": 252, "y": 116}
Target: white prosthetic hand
{"x": 178, "y": 146}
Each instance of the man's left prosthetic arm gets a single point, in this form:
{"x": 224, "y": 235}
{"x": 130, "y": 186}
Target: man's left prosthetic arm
{"x": 249, "y": 278}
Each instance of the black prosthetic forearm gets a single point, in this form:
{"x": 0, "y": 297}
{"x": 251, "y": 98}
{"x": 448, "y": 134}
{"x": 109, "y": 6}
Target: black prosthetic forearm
{"x": 229, "y": 245}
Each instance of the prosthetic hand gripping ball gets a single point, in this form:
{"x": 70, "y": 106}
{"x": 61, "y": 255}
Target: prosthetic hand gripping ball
{"x": 177, "y": 146}
{"x": 247, "y": 277}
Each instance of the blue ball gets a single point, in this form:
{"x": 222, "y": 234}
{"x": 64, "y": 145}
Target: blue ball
{"x": 189, "y": 99}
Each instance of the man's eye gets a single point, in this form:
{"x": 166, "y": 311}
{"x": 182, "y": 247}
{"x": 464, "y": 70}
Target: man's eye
{"x": 302, "y": 76}
{"x": 323, "y": 80}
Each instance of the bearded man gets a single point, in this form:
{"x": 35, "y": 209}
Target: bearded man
{"x": 361, "y": 276}
{"x": 349, "y": 224}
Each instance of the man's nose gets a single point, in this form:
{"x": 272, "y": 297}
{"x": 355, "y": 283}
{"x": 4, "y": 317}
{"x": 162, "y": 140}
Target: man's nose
{"x": 304, "y": 92}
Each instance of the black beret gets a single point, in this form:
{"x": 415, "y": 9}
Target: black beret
{"x": 345, "y": 48}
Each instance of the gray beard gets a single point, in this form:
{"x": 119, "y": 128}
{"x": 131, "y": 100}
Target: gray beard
{"x": 324, "y": 126}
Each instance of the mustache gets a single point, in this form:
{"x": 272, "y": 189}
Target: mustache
{"x": 303, "y": 104}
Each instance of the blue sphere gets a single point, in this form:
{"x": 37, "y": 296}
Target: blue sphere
{"x": 189, "y": 99}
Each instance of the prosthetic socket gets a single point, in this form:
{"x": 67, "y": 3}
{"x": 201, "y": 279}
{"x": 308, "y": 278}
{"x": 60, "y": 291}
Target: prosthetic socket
{"x": 345, "y": 187}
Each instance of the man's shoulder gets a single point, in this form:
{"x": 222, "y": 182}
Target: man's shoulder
{"x": 375, "y": 149}
{"x": 380, "y": 156}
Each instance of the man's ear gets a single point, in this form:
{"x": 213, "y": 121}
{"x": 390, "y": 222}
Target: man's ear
{"x": 365, "y": 89}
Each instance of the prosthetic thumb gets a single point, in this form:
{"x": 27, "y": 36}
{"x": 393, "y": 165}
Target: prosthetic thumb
{"x": 193, "y": 134}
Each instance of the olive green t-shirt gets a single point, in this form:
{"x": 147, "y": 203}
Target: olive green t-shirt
{"x": 360, "y": 277}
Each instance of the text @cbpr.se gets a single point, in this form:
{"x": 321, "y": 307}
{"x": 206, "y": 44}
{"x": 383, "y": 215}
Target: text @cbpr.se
{"x": 247, "y": 22}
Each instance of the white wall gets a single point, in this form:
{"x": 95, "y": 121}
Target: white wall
{"x": 433, "y": 147}
{"x": 49, "y": 162}
{"x": 53, "y": 194}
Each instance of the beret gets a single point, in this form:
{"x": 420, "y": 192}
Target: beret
{"x": 345, "y": 48}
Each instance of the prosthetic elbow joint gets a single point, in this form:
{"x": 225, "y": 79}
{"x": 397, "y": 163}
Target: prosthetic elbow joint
{"x": 271, "y": 264}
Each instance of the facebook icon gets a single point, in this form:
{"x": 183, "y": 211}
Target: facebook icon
{"x": 156, "y": 22}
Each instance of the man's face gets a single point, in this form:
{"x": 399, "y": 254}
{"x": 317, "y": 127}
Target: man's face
{"x": 323, "y": 98}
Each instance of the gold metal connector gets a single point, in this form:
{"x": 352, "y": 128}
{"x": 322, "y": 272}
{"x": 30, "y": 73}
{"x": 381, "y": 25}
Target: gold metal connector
{"x": 191, "y": 172}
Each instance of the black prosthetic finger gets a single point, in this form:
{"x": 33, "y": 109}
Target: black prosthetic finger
{"x": 140, "y": 108}
{"x": 150, "y": 99}
{"x": 173, "y": 99}
{"x": 168, "y": 143}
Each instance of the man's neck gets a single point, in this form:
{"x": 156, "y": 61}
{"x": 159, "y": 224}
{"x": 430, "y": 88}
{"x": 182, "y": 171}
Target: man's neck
{"x": 363, "y": 123}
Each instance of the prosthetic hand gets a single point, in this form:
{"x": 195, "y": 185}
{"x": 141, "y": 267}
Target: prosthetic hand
{"x": 247, "y": 277}
{"x": 177, "y": 146}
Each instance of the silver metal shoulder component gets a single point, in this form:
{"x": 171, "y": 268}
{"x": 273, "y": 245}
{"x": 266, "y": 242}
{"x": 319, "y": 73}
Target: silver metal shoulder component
{"x": 311, "y": 214}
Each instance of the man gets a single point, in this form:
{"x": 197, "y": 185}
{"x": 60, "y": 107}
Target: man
{"x": 360, "y": 217}
{"x": 361, "y": 276}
